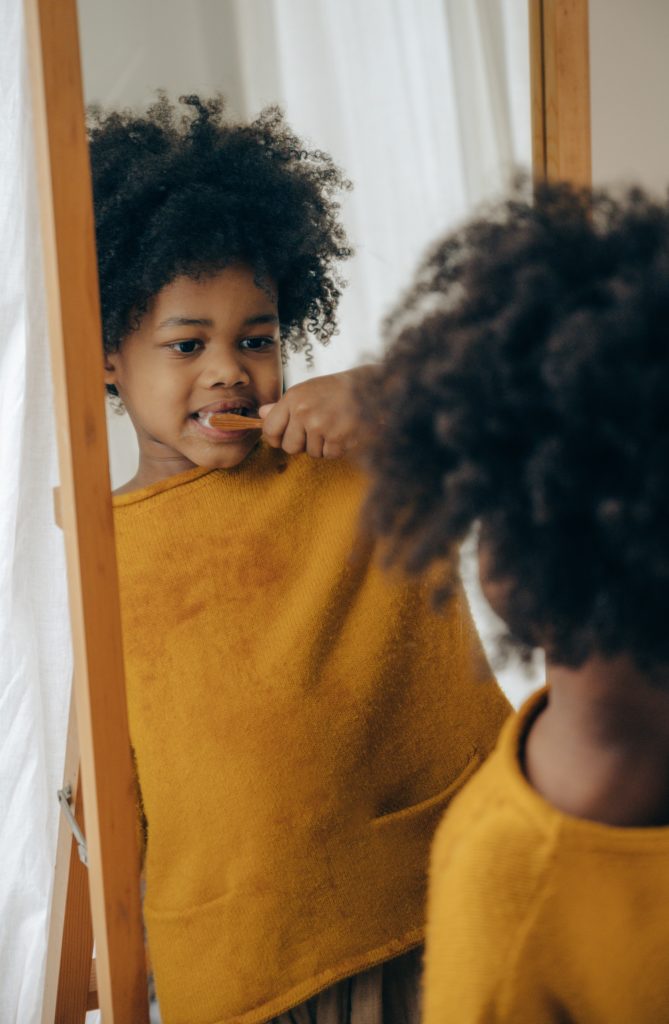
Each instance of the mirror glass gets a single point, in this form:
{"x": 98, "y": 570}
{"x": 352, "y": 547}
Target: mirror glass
{"x": 425, "y": 106}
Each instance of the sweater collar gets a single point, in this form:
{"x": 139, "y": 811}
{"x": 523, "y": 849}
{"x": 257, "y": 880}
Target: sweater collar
{"x": 257, "y": 461}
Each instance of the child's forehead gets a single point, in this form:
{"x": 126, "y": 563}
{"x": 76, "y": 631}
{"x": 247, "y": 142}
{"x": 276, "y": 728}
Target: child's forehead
{"x": 235, "y": 287}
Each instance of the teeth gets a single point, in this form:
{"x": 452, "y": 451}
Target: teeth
{"x": 206, "y": 416}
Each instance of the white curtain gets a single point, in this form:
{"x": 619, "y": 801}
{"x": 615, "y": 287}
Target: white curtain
{"x": 426, "y": 107}
{"x": 35, "y": 658}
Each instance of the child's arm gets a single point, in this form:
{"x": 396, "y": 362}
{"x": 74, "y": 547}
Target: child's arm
{"x": 319, "y": 416}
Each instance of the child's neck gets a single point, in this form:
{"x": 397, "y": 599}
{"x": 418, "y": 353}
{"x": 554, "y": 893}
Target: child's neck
{"x": 152, "y": 470}
{"x": 600, "y": 750}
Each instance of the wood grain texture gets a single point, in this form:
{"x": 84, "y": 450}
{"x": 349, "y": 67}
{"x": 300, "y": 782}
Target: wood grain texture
{"x": 73, "y": 997}
{"x": 70, "y": 941}
{"x": 560, "y": 86}
{"x": 76, "y": 358}
{"x": 231, "y": 421}
{"x": 537, "y": 96}
{"x": 93, "y": 1000}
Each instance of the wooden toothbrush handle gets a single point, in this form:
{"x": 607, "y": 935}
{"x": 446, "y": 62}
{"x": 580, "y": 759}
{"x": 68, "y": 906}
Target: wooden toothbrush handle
{"x": 231, "y": 421}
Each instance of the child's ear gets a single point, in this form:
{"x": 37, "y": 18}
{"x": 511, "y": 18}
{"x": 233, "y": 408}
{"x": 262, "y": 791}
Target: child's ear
{"x": 109, "y": 368}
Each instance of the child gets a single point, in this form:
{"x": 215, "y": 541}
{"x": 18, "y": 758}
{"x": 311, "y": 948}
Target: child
{"x": 294, "y": 748}
{"x": 529, "y": 369}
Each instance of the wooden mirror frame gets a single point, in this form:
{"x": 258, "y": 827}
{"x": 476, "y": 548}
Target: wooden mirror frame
{"x": 100, "y": 742}
{"x": 108, "y": 894}
{"x": 560, "y": 90}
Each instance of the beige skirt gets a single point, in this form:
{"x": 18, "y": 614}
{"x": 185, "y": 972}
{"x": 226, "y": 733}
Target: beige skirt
{"x": 387, "y": 994}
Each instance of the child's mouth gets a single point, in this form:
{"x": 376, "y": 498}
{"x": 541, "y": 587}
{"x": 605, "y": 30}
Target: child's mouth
{"x": 205, "y": 426}
{"x": 205, "y": 417}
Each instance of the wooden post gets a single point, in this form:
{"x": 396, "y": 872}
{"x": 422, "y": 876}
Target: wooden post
{"x": 560, "y": 87}
{"x": 76, "y": 358}
{"x": 70, "y": 947}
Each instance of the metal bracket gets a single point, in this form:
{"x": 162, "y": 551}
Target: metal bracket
{"x": 64, "y": 798}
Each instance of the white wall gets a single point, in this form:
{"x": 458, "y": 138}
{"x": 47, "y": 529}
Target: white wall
{"x": 629, "y": 70}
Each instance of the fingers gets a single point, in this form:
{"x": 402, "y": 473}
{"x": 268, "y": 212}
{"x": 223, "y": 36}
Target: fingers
{"x": 311, "y": 418}
{"x": 286, "y": 426}
{"x": 315, "y": 445}
{"x": 295, "y": 435}
{"x": 276, "y": 419}
{"x": 332, "y": 449}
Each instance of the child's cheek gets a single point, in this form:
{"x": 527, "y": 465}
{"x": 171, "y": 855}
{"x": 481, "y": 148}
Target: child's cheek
{"x": 274, "y": 389}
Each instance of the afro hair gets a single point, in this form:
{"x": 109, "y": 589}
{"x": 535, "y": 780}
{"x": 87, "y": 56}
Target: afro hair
{"x": 190, "y": 193}
{"x": 526, "y": 391}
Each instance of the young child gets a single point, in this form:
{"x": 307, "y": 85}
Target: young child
{"x": 526, "y": 390}
{"x": 294, "y": 737}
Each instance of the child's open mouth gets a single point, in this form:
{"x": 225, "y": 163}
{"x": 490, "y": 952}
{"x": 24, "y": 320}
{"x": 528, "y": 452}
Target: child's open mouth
{"x": 204, "y": 416}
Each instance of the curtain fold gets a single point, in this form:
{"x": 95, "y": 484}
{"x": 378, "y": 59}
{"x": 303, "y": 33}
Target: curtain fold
{"x": 425, "y": 106}
{"x": 35, "y": 656}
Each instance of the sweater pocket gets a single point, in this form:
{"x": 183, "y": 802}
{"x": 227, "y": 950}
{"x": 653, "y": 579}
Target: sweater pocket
{"x": 428, "y": 807}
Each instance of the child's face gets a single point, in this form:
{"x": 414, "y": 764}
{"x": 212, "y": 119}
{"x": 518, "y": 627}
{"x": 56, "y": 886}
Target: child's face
{"x": 203, "y": 346}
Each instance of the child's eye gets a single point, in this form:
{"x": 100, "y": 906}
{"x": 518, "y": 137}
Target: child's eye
{"x": 256, "y": 344}
{"x": 186, "y": 348}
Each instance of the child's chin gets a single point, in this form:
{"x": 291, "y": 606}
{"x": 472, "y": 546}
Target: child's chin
{"x": 229, "y": 456}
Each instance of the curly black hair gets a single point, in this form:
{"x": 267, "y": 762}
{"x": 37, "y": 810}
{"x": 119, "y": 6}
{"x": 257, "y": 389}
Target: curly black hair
{"x": 526, "y": 390}
{"x": 191, "y": 193}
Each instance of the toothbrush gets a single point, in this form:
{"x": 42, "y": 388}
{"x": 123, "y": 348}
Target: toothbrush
{"x": 231, "y": 421}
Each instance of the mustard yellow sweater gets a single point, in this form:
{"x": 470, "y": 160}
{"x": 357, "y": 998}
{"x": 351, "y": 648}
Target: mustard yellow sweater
{"x": 299, "y": 722}
{"x": 539, "y": 918}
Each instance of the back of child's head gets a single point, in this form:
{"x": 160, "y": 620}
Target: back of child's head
{"x": 189, "y": 194}
{"x": 526, "y": 390}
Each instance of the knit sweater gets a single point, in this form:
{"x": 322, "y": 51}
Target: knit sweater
{"x": 535, "y": 916}
{"x": 299, "y": 720}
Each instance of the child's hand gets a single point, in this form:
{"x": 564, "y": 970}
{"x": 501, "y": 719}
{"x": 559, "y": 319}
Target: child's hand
{"x": 318, "y": 416}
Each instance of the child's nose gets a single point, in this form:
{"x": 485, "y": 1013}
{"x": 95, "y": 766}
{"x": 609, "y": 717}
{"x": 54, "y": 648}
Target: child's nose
{"x": 225, "y": 369}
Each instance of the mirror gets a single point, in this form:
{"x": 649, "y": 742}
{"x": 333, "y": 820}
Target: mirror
{"x": 427, "y": 109}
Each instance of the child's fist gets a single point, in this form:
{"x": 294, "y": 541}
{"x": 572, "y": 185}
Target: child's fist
{"x": 319, "y": 416}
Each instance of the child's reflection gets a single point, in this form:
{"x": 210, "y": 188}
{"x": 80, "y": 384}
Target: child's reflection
{"x": 533, "y": 375}
{"x": 296, "y": 732}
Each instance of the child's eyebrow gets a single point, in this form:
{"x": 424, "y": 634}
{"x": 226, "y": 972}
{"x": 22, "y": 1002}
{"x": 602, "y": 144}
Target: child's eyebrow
{"x": 262, "y": 318}
{"x": 187, "y": 321}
